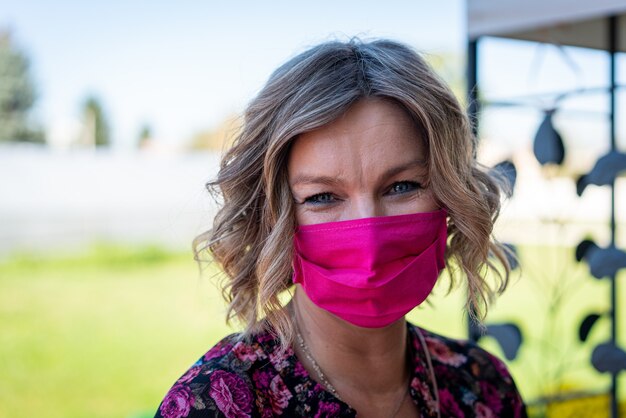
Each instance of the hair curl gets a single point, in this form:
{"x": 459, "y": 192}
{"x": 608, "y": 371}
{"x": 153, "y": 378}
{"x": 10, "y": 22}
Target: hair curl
{"x": 253, "y": 230}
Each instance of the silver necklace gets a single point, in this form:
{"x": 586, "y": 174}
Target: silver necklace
{"x": 316, "y": 367}
{"x": 328, "y": 385}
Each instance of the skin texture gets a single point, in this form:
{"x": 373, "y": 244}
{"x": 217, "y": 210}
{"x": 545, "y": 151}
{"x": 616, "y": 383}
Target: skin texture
{"x": 369, "y": 162}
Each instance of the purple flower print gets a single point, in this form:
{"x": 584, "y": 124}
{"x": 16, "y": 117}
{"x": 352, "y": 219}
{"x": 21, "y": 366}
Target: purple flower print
{"x": 261, "y": 379}
{"x": 231, "y": 394}
{"x": 265, "y": 338}
{"x": 500, "y": 367}
{"x": 219, "y": 350}
{"x": 279, "y": 360}
{"x": 177, "y": 402}
{"x": 444, "y": 354}
{"x": 299, "y": 370}
{"x": 449, "y": 407}
{"x": 491, "y": 396}
{"x": 280, "y": 395}
{"x": 483, "y": 411}
{"x": 245, "y": 352}
{"x": 272, "y": 393}
{"x": 518, "y": 406}
{"x": 423, "y": 389}
{"x": 328, "y": 410}
{"x": 191, "y": 373}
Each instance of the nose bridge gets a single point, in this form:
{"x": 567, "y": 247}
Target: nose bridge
{"x": 365, "y": 205}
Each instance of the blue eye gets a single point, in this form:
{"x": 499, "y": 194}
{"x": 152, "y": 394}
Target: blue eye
{"x": 320, "y": 199}
{"x": 404, "y": 187}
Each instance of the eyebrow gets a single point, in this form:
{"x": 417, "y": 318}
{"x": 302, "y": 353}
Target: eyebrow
{"x": 334, "y": 180}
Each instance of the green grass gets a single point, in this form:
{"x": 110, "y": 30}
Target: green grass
{"x": 103, "y": 336}
{"x": 106, "y": 333}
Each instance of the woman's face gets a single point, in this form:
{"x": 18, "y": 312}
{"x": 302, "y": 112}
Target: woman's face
{"x": 369, "y": 162}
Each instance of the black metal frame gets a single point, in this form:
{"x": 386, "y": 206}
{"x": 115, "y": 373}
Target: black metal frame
{"x": 474, "y": 104}
{"x": 612, "y": 36}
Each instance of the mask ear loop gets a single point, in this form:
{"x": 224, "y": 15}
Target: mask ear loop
{"x": 430, "y": 369}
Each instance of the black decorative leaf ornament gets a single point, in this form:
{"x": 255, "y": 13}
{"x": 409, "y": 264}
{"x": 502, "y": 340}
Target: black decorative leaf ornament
{"x": 606, "y": 262}
{"x": 602, "y": 262}
{"x": 586, "y": 325}
{"x": 604, "y": 171}
{"x": 608, "y": 358}
{"x": 548, "y": 145}
{"x": 581, "y": 184}
{"x": 508, "y": 336}
{"x": 585, "y": 249}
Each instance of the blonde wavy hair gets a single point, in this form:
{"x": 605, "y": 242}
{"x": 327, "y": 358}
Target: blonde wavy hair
{"x": 253, "y": 230}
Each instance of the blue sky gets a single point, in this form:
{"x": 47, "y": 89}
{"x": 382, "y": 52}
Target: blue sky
{"x": 184, "y": 66}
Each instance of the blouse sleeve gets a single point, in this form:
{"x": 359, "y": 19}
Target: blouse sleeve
{"x": 208, "y": 391}
{"x": 180, "y": 402}
{"x": 499, "y": 389}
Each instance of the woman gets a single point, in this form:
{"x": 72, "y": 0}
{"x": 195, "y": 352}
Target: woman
{"x": 351, "y": 186}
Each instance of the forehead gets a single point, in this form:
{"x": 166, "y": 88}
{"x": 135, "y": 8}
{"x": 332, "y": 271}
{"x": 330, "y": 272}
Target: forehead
{"x": 372, "y": 135}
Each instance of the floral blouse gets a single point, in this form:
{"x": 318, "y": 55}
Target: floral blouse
{"x": 235, "y": 379}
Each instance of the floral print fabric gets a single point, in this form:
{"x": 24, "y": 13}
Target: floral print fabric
{"x": 237, "y": 379}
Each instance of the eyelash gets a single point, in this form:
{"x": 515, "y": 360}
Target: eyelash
{"x": 313, "y": 200}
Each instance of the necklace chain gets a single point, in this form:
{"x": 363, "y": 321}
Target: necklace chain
{"x": 324, "y": 380}
{"x": 316, "y": 367}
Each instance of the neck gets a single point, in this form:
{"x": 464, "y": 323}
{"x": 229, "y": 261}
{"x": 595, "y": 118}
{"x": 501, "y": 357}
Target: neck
{"x": 349, "y": 355}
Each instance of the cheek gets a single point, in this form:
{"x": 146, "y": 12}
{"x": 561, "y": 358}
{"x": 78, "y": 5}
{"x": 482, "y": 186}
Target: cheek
{"x": 428, "y": 203}
{"x": 301, "y": 218}
{"x": 424, "y": 202}
{"x": 305, "y": 216}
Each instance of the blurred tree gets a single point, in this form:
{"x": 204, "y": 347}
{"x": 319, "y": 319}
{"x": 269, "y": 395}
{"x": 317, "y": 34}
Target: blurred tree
{"x": 17, "y": 94}
{"x": 95, "y": 126}
{"x": 218, "y": 138}
{"x": 145, "y": 136}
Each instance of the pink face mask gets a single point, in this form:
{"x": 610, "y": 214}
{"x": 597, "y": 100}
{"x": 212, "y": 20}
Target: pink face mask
{"x": 372, "y": 271}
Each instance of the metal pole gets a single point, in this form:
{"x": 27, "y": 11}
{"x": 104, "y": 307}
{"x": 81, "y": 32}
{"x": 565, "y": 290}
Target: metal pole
{"x": 612, "y": 44}
{"x": 473, "y": 331}
{"x": 472, "y": 83}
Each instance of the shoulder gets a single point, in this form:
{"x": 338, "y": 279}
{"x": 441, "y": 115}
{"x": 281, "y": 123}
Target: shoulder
{"x": 469, "y": 377}
{"x": 467, "y": 355}
{"x": 220, "y": 382}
